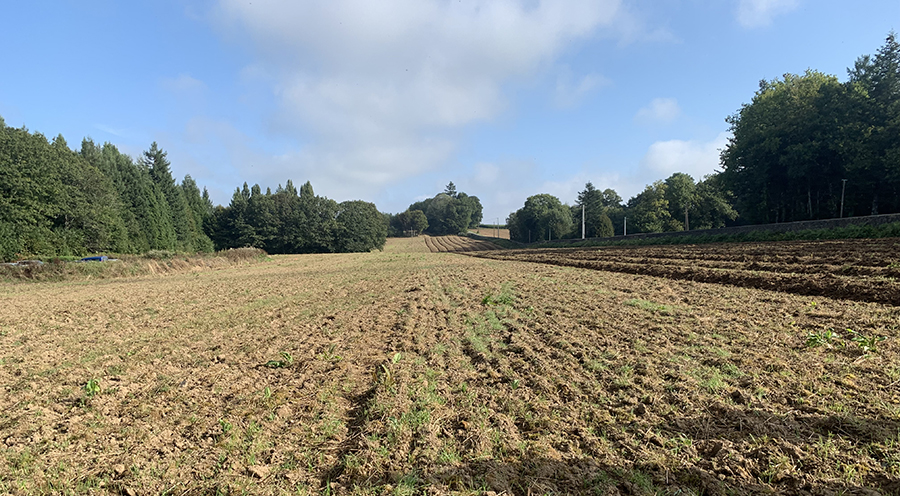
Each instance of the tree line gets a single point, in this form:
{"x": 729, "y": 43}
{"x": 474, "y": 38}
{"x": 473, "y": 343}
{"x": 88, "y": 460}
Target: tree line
{"x": 292, "y": 221}
{"x": 676, "y": 204}
{"x": 448, "y": 212}
{"x": 55, "y": 201}
{"x": 807, "y": 144}
{"x": 805, "y": 147}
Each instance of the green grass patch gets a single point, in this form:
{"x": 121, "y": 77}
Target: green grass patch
{"x": 651, "y": 306}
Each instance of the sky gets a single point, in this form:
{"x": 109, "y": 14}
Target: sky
{"x": 388, "y": 101}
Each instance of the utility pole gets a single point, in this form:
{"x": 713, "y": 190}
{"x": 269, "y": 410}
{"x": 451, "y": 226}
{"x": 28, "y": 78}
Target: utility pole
{"x": 625, "y": 228}
{"x": 843, "y": 188}
{"x": 582, "y": 221}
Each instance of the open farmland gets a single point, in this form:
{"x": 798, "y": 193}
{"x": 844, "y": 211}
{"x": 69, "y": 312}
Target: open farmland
{"x": 859, "y": 269}
{"x": 456, "y": 244}
{"x": 491, "y": 232}
{"x": 407, "y": 371}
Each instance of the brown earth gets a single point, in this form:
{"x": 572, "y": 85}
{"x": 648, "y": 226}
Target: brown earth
{"x": 491, "y": 233}
{"x": 457, "y": 244}
{"x": 409, "y": 372}
{"x": 859, "y": 269}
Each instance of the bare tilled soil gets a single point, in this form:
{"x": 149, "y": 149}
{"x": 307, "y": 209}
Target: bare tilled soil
{"x": 410, "y": 372}
{"x": 859, "y": 269}
{"x": 457, "y": 244}
{"x": 491, "y": 233}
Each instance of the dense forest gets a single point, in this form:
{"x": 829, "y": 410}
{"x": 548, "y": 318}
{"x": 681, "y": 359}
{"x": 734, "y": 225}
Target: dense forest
{"x": 802, "y": 136}
{"x": 292, "y": 221}
{"x": 58, "y": 202}
{"x": 805, "y": 147}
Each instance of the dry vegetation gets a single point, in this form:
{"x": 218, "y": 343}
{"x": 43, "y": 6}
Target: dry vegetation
{"x": 155, "y": 262}
{"x": 406, "y": 372}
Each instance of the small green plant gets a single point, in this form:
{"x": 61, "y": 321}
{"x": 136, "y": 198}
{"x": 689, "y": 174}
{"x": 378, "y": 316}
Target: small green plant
{"x": 866, "y": 344}
{"x": 826, "y": 338}
{"x": 384, "y": 376}
{"x": 650, "y": 306}
{"x": 678, "y": 443}
{"x": 225, "y": 425}
{"x": 504, "y": 297}
{"x": 286, "y": 361}
{"x": 329, "y": 355}
{"x": 92, "y": 388}
{"x": 266, "y": 393}
{"x": 397, "y": 357}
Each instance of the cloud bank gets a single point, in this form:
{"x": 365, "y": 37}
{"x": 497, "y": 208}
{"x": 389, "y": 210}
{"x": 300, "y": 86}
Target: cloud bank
{"x": 697, "y": 158}
{"x": 378, "y": 91}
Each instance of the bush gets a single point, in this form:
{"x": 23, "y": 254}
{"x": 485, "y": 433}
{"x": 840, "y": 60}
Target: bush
{"x": 242, "y": 254}
{"x": 160, "y": 254}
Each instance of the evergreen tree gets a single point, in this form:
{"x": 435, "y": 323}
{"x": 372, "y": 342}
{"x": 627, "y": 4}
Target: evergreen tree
{"x": 261, "y": 215}
{"x": 199, "y": 207}
{"x": 182, "y": 221}
{"x": 589, "y": 209}
{"x": 876, "y": 166}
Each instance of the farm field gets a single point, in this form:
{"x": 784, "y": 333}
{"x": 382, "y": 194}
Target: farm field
{"x": 456, "y": 244}
{"x": 412, "y": 372}
{"x": 859, "y": 269}
{"x": 491, "y": 233}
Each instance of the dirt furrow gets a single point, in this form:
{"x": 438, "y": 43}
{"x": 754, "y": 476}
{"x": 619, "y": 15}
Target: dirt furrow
{"x": 875, "y": 283}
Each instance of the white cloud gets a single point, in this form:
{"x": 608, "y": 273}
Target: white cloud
{"x": 119, "y": 133}
{"x": 696, "y": 158}
{"x": 570, "y": 92}
{"x": 630, "y": 27}
{"x": 380, "y": 90}
{"x": 758, "y": 13}
{"x": 659, "y": 111}
{"x": 183, "y": 84}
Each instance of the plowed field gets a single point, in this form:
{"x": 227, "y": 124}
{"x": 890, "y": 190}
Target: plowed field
{"x": 861, "y": 269}
{"x": 410, "y": 372}
{"x": 491, "y": 233}
{"x": 457, "y": 244}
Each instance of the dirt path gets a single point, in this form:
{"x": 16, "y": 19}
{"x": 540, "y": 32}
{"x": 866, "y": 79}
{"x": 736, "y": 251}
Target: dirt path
{"x": 409, "y": 372}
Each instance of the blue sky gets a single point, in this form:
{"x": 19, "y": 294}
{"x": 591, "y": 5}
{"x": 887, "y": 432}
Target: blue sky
{"x": 388, "y": 101}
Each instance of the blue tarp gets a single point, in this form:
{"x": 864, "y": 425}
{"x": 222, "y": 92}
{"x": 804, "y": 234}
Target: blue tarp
{"x": 101, "y": 258}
